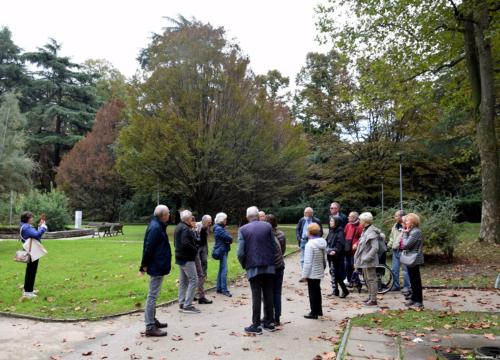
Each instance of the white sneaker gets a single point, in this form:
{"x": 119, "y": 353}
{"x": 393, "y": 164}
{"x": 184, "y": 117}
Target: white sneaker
{"x": 346, "y": 282}
{"x": 29, "y": 294}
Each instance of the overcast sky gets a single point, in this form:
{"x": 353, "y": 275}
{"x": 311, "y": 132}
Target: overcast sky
{"x": 276, "y": 34}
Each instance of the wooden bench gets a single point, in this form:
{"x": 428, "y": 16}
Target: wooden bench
{"x": 117, "y": 229}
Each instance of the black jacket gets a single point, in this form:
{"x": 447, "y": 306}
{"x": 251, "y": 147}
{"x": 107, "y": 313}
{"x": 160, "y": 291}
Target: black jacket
{"x": 156, "y": 254}
{"x": 185, "y": 243}
{"x": 335, "y": 241}
{"x": 300, "y": 225}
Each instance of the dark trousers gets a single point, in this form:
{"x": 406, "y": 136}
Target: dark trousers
{"x": 29, "y": 277}
{"x": 277, "y": 288}
{"x": 349, "y": 266}
{"x": 262, "y": 288}
{"x": 416, "y": 284}
{"x": 337, "y": 272}
{"x": 314, "y": 288}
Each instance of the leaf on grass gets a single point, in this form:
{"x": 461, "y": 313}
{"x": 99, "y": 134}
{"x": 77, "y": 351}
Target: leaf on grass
{"x": 429, "y": 328}
{"x": 447, "y": 326}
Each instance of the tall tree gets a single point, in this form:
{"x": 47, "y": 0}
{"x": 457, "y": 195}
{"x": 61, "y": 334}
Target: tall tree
{"x": 424, "y": 39}
{"x": 202, "y": 129}
{"x": 111, "y": 84}
{"x": 12, "y": 72}
{"x": 15, "y": 164}
{"x": 87, "y": 173}
{"x": 63, "y": 104}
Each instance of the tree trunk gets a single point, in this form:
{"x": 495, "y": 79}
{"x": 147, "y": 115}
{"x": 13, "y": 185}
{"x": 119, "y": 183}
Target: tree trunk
{"x": 480, "y": 65}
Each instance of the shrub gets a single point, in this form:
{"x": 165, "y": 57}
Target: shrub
{"x": 53, "y": 204}
{"x": 438, "y": 223}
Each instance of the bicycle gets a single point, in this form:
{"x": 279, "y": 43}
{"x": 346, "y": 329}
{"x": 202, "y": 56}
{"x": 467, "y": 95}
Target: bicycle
{"x": 385, "y": 279}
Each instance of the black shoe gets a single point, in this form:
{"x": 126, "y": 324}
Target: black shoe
{"x": 344, "y": 294}
{"x": 190, "y": 309}
{"x": 204, "y": 300}
{"x": 408, "y": 296}
{"x": 410, "y": 303}
{"x": 227, "y": 293}
{"x": 277, "y": 322}
{"x": 252, "y": 329}
{"x": 195, "y": 299}
{"x": 160, "y": 325}
{"x": 269, "y": 327}
{"x": 336, "y": 292}
{"x": 181, "y": 307}
{"x": 311, "y": 316}
{"x": 371, "y": 303}
{"x": 155, "y": 332}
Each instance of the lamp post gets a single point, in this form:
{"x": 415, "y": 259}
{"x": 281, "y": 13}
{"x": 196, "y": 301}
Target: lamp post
{"x": 382, "y": 178}
{"x": 400, "y": 181}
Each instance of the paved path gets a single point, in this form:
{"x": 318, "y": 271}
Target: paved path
{"x": 216, "y": 333}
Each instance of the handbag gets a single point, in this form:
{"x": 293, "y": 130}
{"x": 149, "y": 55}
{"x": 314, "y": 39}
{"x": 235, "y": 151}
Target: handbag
{"x": 408, "y": 258}
{"x": 23, "y": 255}
{"x": 217, "y": 252}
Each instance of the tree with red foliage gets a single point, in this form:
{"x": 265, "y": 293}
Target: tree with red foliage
{"x": 87, "y": 173}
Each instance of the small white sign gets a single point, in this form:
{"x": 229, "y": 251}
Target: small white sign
{"x": 78, "y": 219}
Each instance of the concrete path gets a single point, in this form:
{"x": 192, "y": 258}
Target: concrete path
{"x": 218, "y": 331}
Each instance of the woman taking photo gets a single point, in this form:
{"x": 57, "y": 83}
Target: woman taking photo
{"x": 413, "y": 257}
{"x": 335, "y": 245}
{"x": 223, "y": 242}
{"x": 27, "y": 231}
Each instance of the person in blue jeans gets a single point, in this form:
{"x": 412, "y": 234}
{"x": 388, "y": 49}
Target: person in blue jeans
{"x": 223, "y": 240}
{"x": 395, "y": 245}
{"x": 301, "y": 231}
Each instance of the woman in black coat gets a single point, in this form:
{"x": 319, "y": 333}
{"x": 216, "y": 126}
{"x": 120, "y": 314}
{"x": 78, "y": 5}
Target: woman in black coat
{"x": 335, "y": 243}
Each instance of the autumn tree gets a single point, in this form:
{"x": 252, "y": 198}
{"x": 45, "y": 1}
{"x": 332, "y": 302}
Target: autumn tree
{"x": 201, "y": 128}
{"x": 426, "y": 39}
{"x": 87, "y": 174}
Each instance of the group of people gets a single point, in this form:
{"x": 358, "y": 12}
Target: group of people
{"x": 355, "y": 246}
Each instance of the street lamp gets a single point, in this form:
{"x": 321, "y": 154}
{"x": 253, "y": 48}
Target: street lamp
{"x": 382, "y": 178}
{"x": 401, "y": 181}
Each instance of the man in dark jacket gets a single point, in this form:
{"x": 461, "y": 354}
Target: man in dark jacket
{"x": 257, "y": 251}
{"x": 335, "y": 211}
{"x": 186, "y": 250}
{"x": 156, "y": 262}
{"x": 301, "y": 231}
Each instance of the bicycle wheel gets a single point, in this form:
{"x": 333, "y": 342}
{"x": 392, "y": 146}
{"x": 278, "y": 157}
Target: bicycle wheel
{"x": 385, "y": 278}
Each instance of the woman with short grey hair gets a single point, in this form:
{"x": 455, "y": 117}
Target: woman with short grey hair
{"x": 223, "y": 241}
{"x": 366, "y": 256}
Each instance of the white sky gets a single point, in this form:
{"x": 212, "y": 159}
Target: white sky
{"x": 276, "y": 34}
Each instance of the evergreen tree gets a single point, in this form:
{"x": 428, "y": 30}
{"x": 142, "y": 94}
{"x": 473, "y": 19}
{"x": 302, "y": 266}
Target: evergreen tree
{"x": 12, "y": 72}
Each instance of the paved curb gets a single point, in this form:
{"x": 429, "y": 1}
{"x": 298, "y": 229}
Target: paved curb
{"x": 343, "y": 343}
{"x": 111, "y": 316}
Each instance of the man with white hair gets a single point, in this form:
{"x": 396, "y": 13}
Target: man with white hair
{"x": 301, "y": 231}
{"x": 156, "y": 262}
{"x": 257, "y": 251}
{"x": 202, "y": 227}
{"x": 262, "y": 216}
{"x": 185, "y": 256}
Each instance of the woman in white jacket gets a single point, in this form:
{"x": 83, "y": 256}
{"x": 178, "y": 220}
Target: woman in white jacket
{"x": 314, "y": 268}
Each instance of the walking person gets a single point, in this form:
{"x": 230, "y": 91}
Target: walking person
{"x": 413, "y": 243}
{"x": 395, "y": 245}
{"x": 352, "y": 233}
{"x": 27, "y": 231}
{"x": 301, "y": 231}
{"x": 185, "y": 256}
{"x": 366, "y": 256}
{"x": 156, "y": 262}
{"x": 335, "y": 245}
{"x": 314, "y": 269}
{"x": 257, "y": 252}
{"x": 201, "y": 261}
{"x": 223, "y": 241}
{"x": 279, "y": 267}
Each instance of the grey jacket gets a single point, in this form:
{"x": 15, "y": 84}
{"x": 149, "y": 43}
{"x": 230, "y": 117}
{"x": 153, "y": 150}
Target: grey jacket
{"x": 395, "y": 237}
{"x": 366, "y": 255}
{"x": 314, "y": 259}
{"x": 413, "y": 241}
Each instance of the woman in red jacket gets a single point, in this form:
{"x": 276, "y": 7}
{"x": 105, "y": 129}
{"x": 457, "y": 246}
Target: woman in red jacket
{"x": 352, "y": 233}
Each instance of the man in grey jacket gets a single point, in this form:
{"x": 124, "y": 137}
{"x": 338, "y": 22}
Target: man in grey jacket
{"x": 366, "y": 256}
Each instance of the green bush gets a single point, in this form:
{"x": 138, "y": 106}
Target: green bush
{"x": 438, "y": 224}
{"x": 53, "y": 204}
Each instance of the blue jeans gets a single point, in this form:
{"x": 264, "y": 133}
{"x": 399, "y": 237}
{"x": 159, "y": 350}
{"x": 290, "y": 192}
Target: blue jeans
{"x": 396, "y": 264}
{"x": 155, "y": 283}
{"x": 302, "y": 249}
{"x": 222, "y": 275}
{"x": 277, "y": 286}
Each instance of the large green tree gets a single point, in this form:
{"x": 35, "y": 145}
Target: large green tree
{"x": 425, "y": 39}
{"x": 15, "y": 164}
{"x": 12, "y": 72}
{"x": 62, "y": 104}
{"x": 203, "y": 129}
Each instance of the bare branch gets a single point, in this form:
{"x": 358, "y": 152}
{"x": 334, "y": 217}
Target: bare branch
{"x": 437, "y": 69}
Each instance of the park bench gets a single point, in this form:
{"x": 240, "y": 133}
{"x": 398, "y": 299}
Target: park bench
{"x": 117, "y": 229}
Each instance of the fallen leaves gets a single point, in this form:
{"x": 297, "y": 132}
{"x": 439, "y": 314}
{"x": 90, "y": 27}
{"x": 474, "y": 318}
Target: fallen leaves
{"x": 87, "y": 353}
{"x": 176, "y": 338}
{"x": 490, "y": 336}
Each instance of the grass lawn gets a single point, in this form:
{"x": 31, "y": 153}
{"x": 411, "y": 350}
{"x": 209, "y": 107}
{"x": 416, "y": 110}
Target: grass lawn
{"x": 88, "y": 278}
{"x": 427, "y": 321}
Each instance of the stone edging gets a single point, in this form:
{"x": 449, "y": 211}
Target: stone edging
{"x": 111, "y": 316}
{"x": 343, "y": 343}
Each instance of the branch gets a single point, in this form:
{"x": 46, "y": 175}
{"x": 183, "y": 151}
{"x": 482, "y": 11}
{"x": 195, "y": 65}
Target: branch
{"x": 455, "y": 9}
{"x": 436, "y": 70}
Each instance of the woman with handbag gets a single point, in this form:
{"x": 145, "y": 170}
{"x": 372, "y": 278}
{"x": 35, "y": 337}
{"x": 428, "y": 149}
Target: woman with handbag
{"x": 27, "y": 231}
{"x": 223, "y": 241}
{"x": 413, "y": 256}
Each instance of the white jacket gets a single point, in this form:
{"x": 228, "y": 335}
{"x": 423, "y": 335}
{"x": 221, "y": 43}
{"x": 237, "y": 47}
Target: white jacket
{"x": 314, "y": 259}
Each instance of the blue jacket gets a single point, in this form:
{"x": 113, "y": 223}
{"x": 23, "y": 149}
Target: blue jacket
{"x": 256, "y": 245}
{"x": 222, "y": 237}
{"x": 156, "y": 254}
{"x": 28, "y": 231}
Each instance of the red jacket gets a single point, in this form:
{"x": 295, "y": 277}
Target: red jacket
{"x": 352, "y": 233}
